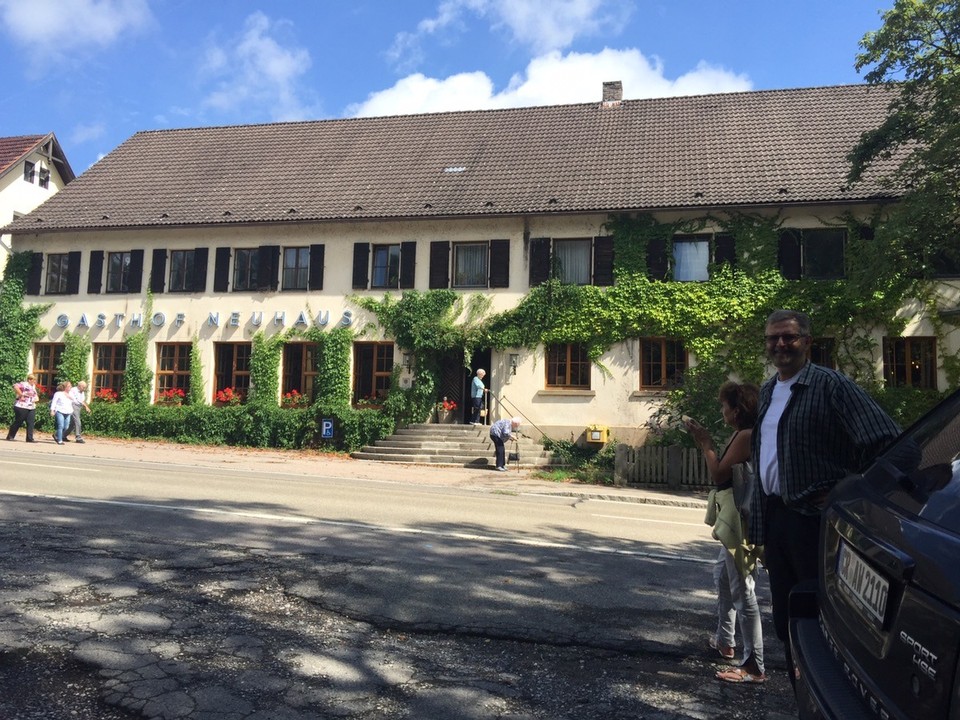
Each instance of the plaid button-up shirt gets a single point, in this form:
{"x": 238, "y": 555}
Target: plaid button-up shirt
{"x": 829, "y": 428}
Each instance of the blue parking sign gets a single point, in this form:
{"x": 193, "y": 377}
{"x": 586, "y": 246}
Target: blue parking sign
{"x": 326, "y": 429}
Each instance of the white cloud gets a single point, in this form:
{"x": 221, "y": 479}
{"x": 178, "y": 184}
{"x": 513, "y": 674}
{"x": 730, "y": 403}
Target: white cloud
{"x": 541, "y": 25}
{"x": 61, "y": 26}
{"x": 551, "y": 79}
{"x": 259, "y": 73}
{"x": 85, "y": 132}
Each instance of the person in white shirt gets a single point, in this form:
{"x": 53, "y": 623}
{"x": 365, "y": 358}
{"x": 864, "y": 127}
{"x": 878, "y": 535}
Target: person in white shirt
{"x": 78, "y": 394}
{"x": 61, "y": 410}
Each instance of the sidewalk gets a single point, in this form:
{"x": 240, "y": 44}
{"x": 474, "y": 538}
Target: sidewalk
{"x": 311, "y": 462}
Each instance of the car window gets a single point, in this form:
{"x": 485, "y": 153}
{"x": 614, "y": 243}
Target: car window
{"x": 928, "y": 457}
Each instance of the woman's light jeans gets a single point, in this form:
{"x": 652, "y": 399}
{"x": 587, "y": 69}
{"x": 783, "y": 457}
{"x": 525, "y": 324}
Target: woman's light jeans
{"x": 63, "y": 422}
{"x": 737, "y": 600}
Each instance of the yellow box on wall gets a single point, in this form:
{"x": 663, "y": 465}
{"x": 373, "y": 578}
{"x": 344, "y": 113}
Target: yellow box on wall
{"x": 597, "y": 434}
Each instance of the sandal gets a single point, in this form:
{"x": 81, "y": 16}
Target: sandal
{"x": 726, "y": 652}
{"x": 739, "y": 675}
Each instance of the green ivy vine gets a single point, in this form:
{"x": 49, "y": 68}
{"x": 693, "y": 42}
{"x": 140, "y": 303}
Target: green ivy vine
{"x": 137, "y": 376}
{"x": 197, "y": 394}
{"x": 74, "y": 363}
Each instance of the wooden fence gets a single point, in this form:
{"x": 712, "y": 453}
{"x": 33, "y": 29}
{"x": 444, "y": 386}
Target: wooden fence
{"x": 672, "y": 466}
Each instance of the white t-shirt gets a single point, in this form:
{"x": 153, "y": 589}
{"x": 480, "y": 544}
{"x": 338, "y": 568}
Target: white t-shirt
{"x": 769, "y": 472}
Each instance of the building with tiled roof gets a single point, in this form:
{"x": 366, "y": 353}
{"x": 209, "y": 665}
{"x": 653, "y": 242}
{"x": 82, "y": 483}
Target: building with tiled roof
{"x": 32, "y": 169}
{"x": 237, "y": 230}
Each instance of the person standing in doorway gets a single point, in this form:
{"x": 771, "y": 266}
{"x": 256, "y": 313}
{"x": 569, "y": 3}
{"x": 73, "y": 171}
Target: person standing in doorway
{"x": 61, "y": 410}
{"x": 814, "y": 427}
{"x": 478, "y": 394}
{"x": 24, "y": 407}
{"x": 500, "y": 432}
{"x": 78, "y": 394}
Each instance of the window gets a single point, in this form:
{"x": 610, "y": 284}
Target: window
{"x": 232, "y": 368}
{"x": 299, "y": 369}
{"x": 182, "y": 270}
{"x": 662, "y": 363}
{"x": 58, "y": 273}
{"x": 568, "y": 366}
{"x": 245, "y": 268}
{"x": 470, "y": 265}
{"x": 691, "y": 256}
{"x": 372, "y": 367}
{"x": 46, "y": 365}
{"x": 29, "y": 171}
{"x": 173, "y": 367}
{"x": 910, "y": 362}
{"x": 118, "y": 272}
{"x": 578, "y": 261}
{"x": 109, "y": 367}
{"x": 296, "y": 268}
{"x": 386, "y": 266}
{"x": 823, "y": 352}
{"x": 813, "y": 254}
{"x": 44, "y": 179}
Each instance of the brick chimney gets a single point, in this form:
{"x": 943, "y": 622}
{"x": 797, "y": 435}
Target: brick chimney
{"x": 612, "y": 92}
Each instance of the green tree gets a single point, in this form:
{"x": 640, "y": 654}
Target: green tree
{"x": 918, "y": 47}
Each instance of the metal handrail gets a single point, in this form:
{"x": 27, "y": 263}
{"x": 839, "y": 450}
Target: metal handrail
{"x": 503, "y": 399}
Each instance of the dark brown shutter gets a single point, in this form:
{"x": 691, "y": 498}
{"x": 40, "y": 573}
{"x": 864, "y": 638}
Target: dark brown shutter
{"x": 724, "y": 249}
{"x": 315, "y": 281}
{"x": 158, "y": 271}
{"x": 361, "y": 265}
{"x": 200, "y": 269}
{"x": 499, "y": 263}
{"x": 789, "y": 254}
{"x": 221, "y": 270}
{"x": 35, "y": 278}
{"x": 73, "y": 272}
{"x": 539, "y": 261}
{"x": 408, "y": 265}
{"x": 603, "y": 261}
{"x": 136, "y": 271}
{"x": 268, "y": 260}
{"x": 439, "y": 264}
{"x": 95, "y": 276}
{"x": 657, "y": 265}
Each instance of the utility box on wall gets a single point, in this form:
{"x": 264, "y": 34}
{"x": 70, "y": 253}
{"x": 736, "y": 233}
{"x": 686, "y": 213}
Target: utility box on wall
{"x": 597, "y": 434}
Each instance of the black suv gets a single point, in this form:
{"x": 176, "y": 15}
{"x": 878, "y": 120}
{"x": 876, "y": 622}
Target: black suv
{"x": 878, "y": 637}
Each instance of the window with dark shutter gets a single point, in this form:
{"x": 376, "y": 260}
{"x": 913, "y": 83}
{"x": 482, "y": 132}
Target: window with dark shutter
{"x": 317, "y": 253}
{"x": 158, "y": 271}
{"x": 73, "y": 273}
{"x": 788, "y": 255}
{"x": 439, "y": 264}
{"x": 657, "y": 264}
{"x": 361, "y": 265}
{"x": 603, "y": 261}
{"x": 35, "y": 278}
{"x": 136, "y": 271}
{"x": 408, "y": 265}
{"x": 724, "y": 249}
{"x": 95, "y": 276}
{"x": 499, "y": 263}
{"x": 200, "y": 269}
{"x": 539, "y": 261}
{"x": 221, "y": 270}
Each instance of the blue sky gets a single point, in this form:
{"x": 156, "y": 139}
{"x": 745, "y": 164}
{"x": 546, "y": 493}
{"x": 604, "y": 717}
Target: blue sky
{"x": 97, "y": 71}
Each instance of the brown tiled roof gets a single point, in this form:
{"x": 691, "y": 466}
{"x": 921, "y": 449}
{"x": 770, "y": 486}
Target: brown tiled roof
{"x": 777, "y": 147}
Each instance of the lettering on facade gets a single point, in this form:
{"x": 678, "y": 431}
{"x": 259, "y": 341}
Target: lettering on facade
{"x": 159, "y": 319}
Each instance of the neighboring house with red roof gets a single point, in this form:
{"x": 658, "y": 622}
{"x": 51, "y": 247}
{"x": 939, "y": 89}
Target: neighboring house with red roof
{"x": 32, "y": 169}
{"x": 271, "y": 228}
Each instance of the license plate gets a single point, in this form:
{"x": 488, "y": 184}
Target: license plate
{"x": 865, "y": 586}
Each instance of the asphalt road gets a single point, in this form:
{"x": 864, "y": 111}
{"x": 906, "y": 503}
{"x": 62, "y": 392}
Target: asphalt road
{"x": 233, "y": 588}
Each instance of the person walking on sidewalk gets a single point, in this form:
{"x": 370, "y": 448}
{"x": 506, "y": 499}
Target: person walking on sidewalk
{"x": 478, "y": 393}
{"x": 61, "y": 409}
{"x": 24, "y": 407}
{"x": 500, "y": 432}
{"x": 735, "y": 572}
{"x": 78, "y": 394}
{"x": 814, "y": 427}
